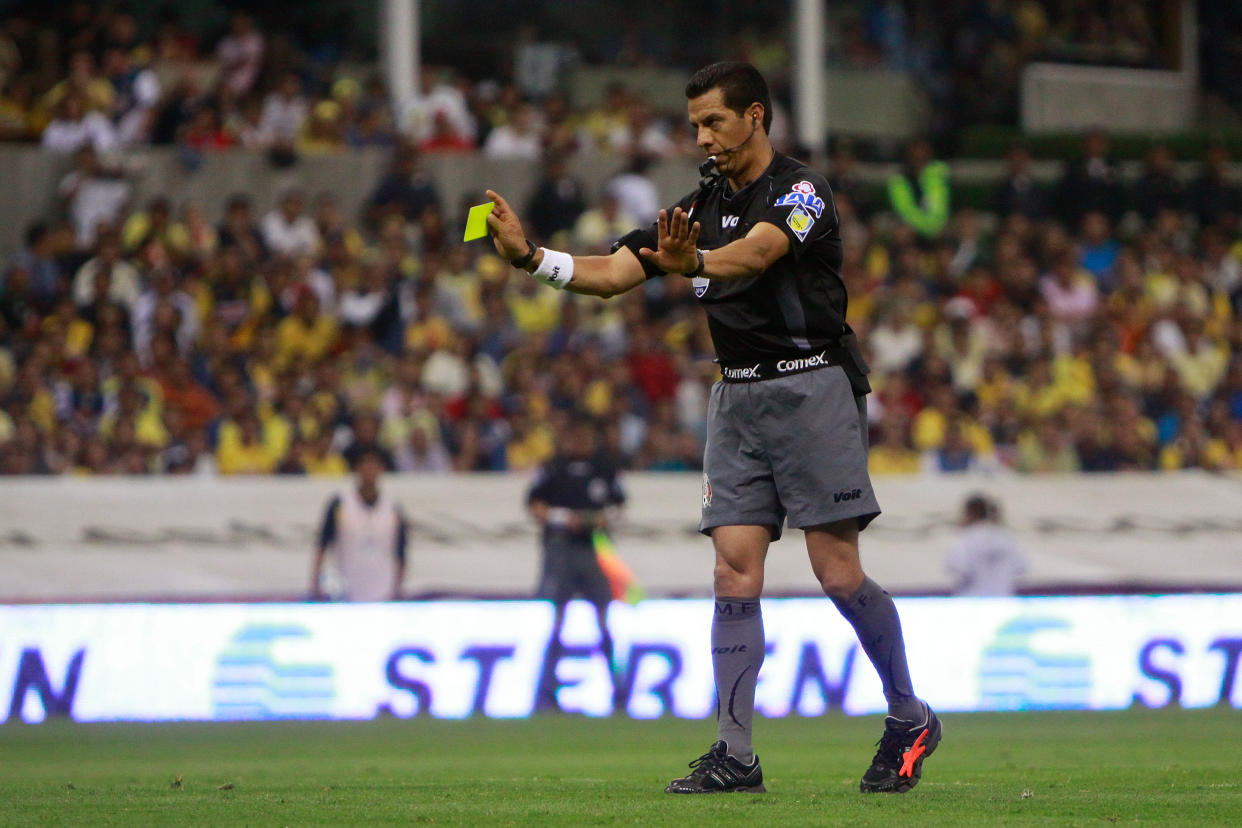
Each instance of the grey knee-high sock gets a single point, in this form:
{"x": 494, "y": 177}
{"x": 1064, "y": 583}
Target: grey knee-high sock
{"x": 871, "y": 612}
{"x": 737, "y": 654}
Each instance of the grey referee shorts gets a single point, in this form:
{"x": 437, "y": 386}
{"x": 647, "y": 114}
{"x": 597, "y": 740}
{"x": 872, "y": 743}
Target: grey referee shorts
{"x": 792, "y": 446}
{"x": 571, "y": 568}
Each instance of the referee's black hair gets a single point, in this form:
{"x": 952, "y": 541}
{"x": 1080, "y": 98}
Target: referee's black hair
{"x": 741, "y": 84}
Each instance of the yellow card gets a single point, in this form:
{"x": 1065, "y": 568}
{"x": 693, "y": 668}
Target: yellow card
{"x": 476, "y": 221}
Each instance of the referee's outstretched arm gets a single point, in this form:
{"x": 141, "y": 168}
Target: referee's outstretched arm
{"x": 606, "y": 276}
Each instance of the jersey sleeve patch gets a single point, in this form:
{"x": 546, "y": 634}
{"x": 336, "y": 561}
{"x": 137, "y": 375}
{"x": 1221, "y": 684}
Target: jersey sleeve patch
{"x": 800, "y": 222}
{"x": 802, "y": 194}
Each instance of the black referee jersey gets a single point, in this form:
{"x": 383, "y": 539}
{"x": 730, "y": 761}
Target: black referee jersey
{"x": 582, "y": 484}
{"x": 797, "y": 306}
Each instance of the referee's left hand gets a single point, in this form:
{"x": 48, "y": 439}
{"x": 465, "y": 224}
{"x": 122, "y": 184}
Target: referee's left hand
{"x": 506, "y": 229}
{"x": 677, "y": 240}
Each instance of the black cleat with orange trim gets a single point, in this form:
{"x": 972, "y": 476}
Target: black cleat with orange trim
{"x": 898, "y": 764}
{"x": 718, "y": 772}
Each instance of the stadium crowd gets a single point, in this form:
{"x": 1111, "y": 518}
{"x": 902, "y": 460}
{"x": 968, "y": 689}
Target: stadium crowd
{"x": 94, "y": 72}
{"x": 1095, "y": 325}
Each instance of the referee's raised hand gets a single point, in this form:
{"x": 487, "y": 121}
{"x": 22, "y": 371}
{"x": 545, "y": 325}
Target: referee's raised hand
{"x": 506, "y": 229}
{"x": 677, "y": 239}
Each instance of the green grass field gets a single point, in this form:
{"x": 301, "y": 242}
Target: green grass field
{"x": 1153, "y": 767}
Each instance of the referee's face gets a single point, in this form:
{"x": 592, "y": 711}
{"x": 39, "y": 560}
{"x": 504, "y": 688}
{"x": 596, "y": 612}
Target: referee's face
{"x": 718, "y": 127}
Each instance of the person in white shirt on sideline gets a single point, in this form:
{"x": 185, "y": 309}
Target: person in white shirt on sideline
{"x": 366, "y": 531}
{"x": 985, "y": 560}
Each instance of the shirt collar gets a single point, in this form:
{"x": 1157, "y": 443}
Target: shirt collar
{"x": 767, "y": 172}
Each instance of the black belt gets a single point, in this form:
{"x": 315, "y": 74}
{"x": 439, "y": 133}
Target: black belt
{"x": 782, "y": 366}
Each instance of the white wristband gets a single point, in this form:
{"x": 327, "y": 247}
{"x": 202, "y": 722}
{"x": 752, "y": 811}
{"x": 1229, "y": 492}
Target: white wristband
{"x": 556, "y": 269}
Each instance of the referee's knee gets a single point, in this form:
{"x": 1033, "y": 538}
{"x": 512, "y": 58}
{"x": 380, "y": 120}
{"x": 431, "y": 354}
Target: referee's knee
{"x": 841, "y": 583}
{"x": 730, "y": 581}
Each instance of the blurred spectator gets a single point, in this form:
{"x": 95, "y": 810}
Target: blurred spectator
{"x": 201, "y": 135}
{"x": 919, "y": 192}
{"x": 601, "y": 225}
{"x": 284, "y": 113}
{"x": 1047, "y": 449}
{"x": 604, "y": 126}
{"x": 150, "y": 226}
{"x": 42, "y": 268}
{"x": 287, "y": 230}
{"x": 896, "y": 341}
{"x": 136, "y": 95}
{"x": 519, "y": 139}
{"x": 246, "y": 453}
{"x": 1070, "y": 292}
{"x": 1018, "y": 192}
{"x": 18, "y": 121}
{"x": 643, "y": 134}
{"x": 239, "y": 229}
{"x": 954, "y": 454}
{"x": 123, "y": 277}
{"x": 985, "y": 559}
{"x": 416, "y": 115}
{"x": 93, "y": 91}
{"x": 1214, "y": 198}
{"x": 445, "y": 138}
{"x": 1099, "y": 248}
{"x": 1090, "y": 183}
{"x": 244, "y": 124}
{"x": 240, "y": 54}
{"x": 891, "y": 453}
{"x": 558, "y": 201}
{"x": 163, "y": 297}
{"x": 845, "y": 181}
{"x": 1158, "y": 188}
{"x": 406, "y": 190}
{"x": 305, "y": 334}
{"x": 364, "y": 439}
{"x": 319, "y": 459}
{"x": 94, "y": 196}
{"x": 73, "y": 128}
{"x": 635, "y": 192}
{"x": 324, "y": 130}
{"x": 423, "y": 453}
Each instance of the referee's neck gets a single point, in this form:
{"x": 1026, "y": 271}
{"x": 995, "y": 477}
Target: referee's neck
{"x": 755, "y": 164}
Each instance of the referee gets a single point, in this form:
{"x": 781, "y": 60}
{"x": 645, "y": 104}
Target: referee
{"x": 573, "y": 496}
{"x": 786, "y": 437}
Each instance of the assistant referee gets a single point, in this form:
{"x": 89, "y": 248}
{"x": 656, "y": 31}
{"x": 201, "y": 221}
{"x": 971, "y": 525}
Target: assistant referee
{"x": 787, "y": 433}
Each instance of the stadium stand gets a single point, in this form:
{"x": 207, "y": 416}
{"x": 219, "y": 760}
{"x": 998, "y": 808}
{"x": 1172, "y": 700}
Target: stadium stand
{"x": 1092, "y": 323}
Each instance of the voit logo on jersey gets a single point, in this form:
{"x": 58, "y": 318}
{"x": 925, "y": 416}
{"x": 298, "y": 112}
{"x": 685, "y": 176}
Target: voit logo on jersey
{"x": 254, "y": 679}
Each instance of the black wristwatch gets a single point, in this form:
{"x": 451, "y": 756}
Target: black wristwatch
{"x": 698, "y": 270}
{"x": 525, "y": 260}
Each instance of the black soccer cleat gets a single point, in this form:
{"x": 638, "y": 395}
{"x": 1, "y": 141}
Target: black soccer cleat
{"x": 718, "y": 772}
{"x": 898, "y": 764}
